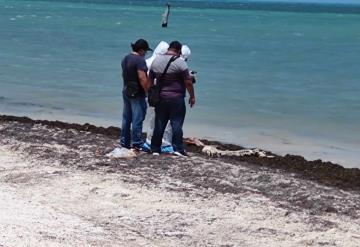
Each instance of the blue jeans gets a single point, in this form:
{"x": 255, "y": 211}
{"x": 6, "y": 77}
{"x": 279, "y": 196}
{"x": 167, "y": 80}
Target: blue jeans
{"x": 173, "y": 110}
{"x": 133, "y": 116}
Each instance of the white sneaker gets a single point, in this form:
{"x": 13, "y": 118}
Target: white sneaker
{"x": 181, "y": 154}
{"x": 155, "y": 154}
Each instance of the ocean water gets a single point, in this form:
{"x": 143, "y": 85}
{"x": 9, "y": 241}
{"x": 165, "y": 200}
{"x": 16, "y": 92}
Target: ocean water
{"x": 279, "y": 80}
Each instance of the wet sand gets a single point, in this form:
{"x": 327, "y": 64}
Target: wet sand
{"x": 58, "y": 188}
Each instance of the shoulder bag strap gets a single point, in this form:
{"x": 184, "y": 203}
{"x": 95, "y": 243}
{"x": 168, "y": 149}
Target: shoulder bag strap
{"x": 172, "y": 59}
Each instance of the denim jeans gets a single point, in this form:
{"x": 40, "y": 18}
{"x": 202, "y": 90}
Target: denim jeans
{"x": 173, "y": 110}
{"x": 132, "y": 122}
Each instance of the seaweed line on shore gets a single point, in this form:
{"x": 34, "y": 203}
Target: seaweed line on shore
{"x": 327, "y": 173}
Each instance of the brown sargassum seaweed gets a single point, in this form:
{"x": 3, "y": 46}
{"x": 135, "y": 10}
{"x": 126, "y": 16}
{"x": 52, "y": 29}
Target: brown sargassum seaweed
{"x": 326, "y": 173}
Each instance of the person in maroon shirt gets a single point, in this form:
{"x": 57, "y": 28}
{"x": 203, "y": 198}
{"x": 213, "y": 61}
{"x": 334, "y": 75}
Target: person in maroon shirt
{"x": 171, "y": 107}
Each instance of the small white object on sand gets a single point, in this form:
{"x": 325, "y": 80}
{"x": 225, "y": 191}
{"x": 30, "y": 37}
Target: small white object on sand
{"x": 121, "y": 153}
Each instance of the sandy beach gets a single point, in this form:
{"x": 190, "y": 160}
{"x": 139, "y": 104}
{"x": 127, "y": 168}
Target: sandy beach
{"x": 57, "y": 188}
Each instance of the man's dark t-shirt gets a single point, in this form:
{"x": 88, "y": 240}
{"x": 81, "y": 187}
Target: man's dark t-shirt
{"x": 173, "y": 85}
{"x": 130, "y": 66}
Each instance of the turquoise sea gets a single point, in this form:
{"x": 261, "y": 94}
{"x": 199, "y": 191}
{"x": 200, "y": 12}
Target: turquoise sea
{"x": 279, "y": 76}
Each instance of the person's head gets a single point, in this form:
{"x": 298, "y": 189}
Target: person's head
{"x": 175, "y": 46}
{"x": 141, "y": 46}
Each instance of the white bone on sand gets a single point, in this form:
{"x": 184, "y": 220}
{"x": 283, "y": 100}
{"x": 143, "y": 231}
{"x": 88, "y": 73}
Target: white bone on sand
{"x": 212, "y": 150}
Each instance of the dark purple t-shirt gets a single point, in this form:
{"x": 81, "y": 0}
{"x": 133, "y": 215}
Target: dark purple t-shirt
{"x": 130, "y": 66}
{"x": 172, "y": 85}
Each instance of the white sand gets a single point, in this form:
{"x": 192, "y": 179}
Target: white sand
{"x": 43, "y": 204}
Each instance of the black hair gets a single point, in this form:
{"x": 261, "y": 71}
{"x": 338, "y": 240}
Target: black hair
{"x": 176, "y": 45}
{"x": 140, "y": 44}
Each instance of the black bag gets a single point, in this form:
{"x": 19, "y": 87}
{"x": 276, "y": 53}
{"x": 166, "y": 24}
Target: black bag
{"x": 154, "y": 95}
{"x": 132, "y": 89}
{"x": 154, "y": 91}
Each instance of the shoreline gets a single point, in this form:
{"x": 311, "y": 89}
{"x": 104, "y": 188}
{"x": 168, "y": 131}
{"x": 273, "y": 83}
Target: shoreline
{"x": 281, "y": 142}
{"x": 327, "y": 173}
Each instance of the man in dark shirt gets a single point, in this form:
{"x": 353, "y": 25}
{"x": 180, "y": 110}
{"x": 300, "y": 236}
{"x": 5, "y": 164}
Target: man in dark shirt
{"x": 136, "y": 84}
{"x": 172, "y": 93}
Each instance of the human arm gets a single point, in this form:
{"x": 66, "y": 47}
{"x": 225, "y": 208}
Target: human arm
{"x": 190, "y": 88}
{"x": 188, "y": 83}
{"x": 144, "y": 80}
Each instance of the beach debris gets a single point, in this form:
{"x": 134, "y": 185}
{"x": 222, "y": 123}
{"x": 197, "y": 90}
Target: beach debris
{"x": 98, "y": 152}
{"x": 121, "y": 153}
{"x": 165, "y": 16}
{"x": 212, "y": 150}
{"x": 194, "y": 141}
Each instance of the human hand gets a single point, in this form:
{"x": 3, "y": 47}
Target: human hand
{"x": 192, "y": 101}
